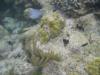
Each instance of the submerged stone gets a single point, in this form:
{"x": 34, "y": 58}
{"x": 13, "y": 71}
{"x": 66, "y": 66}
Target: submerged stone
{"x": 78, "y": 39}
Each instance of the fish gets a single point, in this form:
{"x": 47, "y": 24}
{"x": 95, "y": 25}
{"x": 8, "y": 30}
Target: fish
{"x": 33, "y": 13}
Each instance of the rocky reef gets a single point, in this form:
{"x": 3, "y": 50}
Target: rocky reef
{"x": 75, "y": 8}
{"x": 49, "y": 37}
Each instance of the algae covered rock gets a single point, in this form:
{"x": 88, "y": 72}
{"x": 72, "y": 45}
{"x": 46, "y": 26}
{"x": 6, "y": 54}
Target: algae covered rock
{"x": 36, "y": 56}
{"x": 52, "y": 25}
{"x": 88, "y": 22}
{"x": 78, "y": 39}
{"x": 93, "y": 68}
{"x": 48, "y": 29}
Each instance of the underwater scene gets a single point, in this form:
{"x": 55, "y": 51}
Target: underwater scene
{"x": 49, "y": 37}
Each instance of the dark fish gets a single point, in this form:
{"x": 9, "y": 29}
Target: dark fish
{"x": 80, "y": 27}
{"x": 84, "y": 44}
{"x": 65, "y": 41}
